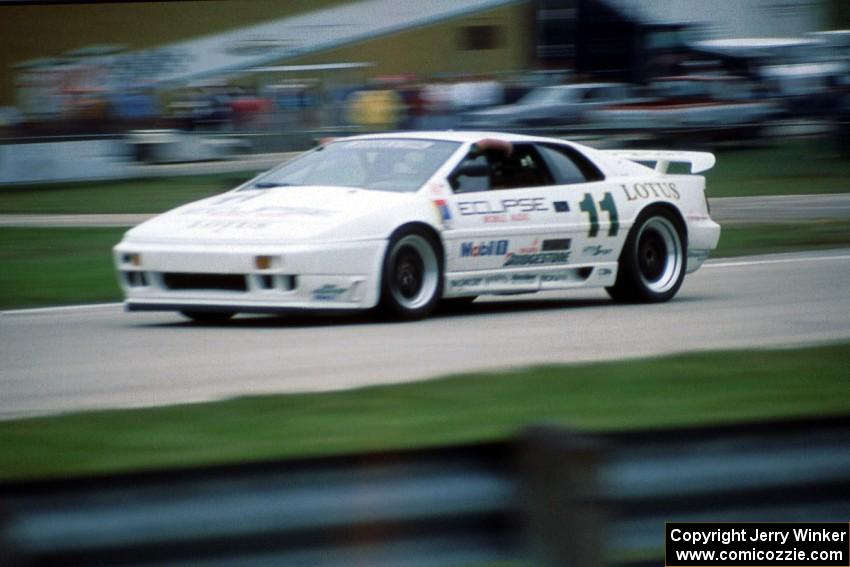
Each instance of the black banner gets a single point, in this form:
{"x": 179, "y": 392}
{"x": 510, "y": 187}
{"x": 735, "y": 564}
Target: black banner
{"x": 759, "y": 544}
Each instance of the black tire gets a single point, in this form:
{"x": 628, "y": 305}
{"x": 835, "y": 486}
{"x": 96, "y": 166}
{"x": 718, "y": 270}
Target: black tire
{"x": 412, "y": 275}
{"x": 653, "y": 262}
{"x": 208, "y": 317}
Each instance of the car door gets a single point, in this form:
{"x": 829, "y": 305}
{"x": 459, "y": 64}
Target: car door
{"x": 502, "y": 197}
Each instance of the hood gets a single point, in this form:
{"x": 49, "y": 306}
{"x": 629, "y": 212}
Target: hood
{"x": 280, "y": 214}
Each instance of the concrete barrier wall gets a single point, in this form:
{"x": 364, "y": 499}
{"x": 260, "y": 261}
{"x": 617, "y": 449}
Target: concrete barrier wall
{"x": 85, "y": 160}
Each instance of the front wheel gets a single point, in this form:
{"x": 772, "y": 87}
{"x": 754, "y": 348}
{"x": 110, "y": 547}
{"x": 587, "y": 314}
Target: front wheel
{"x": 652, "y": 264}
{"x": 412, "y": 279}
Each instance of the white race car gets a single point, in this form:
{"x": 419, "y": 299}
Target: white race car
{"x": 407, "y": 220}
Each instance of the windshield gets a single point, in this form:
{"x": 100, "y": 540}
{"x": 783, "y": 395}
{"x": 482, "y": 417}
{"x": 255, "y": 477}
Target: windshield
{"x": 399, "y": 165}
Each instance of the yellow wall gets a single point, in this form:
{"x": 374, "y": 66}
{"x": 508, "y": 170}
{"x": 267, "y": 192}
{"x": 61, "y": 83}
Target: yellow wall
{"x": 435, "y": 48}
{"x": 29, "y": 32}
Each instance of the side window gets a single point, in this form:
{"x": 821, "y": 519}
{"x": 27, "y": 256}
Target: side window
{"x": 473, "y": 174}
{"x": 522, "y": 168}
{"x": 568, "y": 166}
{"x": 493, "y": 170}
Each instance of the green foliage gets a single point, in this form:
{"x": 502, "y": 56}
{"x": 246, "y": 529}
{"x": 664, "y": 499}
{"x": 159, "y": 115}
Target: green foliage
{"x": 148, "y": 195}
{"x": 57, "y": 266}
{"x": 747, "y": 239}
{"x": 796, "y": 167}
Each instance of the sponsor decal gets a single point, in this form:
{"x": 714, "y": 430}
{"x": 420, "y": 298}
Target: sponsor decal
{"x": 267, "y": 212}
{"x": 497, "y": 279}
{"x": 329, "y": 292}
{"x": 666, "y": 189}
{"x": 235, "y": 198}
{"x": 443, "y": 210}
{"x": 597, "y": 250}
{"x": 437, "y": 188}
{"x": 216, "y": 225}
{"x": 292, "y": 211}
{"x": 556, "y": 244}
{"x": 524, "y": 278}
{"x": 555, "y": 277}
{"x": 215, "y": 211}
{"x": 487, "y": 248}
{"x": 534, "y": 248}
{"x": 505, "y": 210}
{"x": 466, "y": 282}
{"x": 561, "y": 206}
{"x": 537, "y": 259}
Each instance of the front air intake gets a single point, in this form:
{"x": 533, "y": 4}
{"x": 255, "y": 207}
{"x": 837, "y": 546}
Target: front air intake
{"x": 213, "y": 282}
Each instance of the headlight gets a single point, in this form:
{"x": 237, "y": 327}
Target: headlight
{"x": 131, "y": 259}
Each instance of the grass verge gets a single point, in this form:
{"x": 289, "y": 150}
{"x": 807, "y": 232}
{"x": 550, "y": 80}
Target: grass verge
{"x": 56, "y": 266}
{"x": 61, "y": 266}
{"x": 149, "y": 195}
{"x": 671, "y": 391}
{"x": 794, "y": 167}
{"x": 747, "y": 239}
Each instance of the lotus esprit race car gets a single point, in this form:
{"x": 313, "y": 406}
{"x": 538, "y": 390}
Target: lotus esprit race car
{"x": 407, "y": 220}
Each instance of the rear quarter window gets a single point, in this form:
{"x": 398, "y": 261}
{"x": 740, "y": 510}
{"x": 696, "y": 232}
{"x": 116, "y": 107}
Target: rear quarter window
{"x": 569, "y": 166}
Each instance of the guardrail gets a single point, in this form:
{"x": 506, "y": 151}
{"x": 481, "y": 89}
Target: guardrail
{"x": 552, "y": 496}
{"x": 616, "y": 490}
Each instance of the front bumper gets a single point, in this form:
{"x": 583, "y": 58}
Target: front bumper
{"x": 250, "y": 278}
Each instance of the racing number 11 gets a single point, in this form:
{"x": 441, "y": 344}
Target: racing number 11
{"x": 606, "y": 204}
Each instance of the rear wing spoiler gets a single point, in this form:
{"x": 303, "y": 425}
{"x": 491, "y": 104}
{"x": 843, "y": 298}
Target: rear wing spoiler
{"x": 699, "y": 161}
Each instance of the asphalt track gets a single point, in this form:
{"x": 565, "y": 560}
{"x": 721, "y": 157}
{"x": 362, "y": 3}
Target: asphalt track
{"x": 66, "y": 359}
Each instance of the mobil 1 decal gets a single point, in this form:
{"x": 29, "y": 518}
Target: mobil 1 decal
{"x": 484, "y": 248}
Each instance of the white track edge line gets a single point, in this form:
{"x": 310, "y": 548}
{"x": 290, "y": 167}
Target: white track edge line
{"x": 59, "y": 309}
{"x": 776, "y": 261}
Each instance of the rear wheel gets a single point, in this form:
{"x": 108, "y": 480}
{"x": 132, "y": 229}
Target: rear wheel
{"x": 208, "y": 316}
{"x": 412, "y": 281}
{"x": 652, "y": 263}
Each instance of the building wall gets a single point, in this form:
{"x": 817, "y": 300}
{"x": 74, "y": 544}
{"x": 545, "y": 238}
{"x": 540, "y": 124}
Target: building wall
{"x": 34, "y": 31}
{"x": 736, "y": 18}
{"x": 439, "y": 49}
